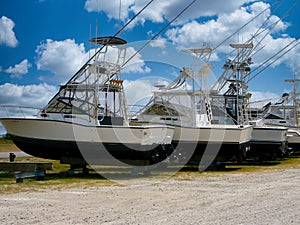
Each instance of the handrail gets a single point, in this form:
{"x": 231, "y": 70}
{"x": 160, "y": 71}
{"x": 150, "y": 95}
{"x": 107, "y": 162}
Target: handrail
{"x": 9, "y": 111}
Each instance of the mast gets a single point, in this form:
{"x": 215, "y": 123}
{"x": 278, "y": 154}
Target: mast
{"x": 295, "y": 94}
{"x": 200, "y": 72}
{"x": 235, "y": 78}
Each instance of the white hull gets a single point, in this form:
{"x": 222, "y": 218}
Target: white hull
{"x": 268, "y": 143}
{"x": 216, "y": 142}
{"x": 266, "y": 134}
{"x": 212, "y": 142}
{"x": 63, "y": 140}
{"x": 292, "y": 135}
{"x": 225, "y": 134}
{"x": 293, "y": 138}
{"x": 65, "y": 131}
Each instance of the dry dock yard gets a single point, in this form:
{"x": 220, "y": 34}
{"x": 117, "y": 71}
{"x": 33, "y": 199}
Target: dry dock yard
{"x": 240, "y": 194}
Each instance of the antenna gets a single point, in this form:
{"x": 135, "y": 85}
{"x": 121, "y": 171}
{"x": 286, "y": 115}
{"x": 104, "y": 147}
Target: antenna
{"x": 120, "y": 9}
{"x": 96, "y": 34}
{"x": 90, "y": 42}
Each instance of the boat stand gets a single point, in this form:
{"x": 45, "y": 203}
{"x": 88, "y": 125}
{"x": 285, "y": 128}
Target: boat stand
{"x": 83, "y": 168}
{"x": 75, "y": 164}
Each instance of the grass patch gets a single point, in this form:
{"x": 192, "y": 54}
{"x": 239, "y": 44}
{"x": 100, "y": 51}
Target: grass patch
{"x": 59, "y": 179}
{"x": 191, "y": 172}
{"x": 7, "y": 145}
{"x": 4, "y": 141}
{"x": 55, "y": 179}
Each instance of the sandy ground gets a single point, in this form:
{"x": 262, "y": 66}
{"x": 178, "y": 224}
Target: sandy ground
{"x": 252, "y": 198}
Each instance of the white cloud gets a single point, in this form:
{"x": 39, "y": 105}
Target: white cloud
{"x": 63, "y": 58}
{"x": 7, "y": 35}
{"x": 35, "y": 96}
{"x": 137, "y": 91}
{"x": 26, "y": 95}
{"x": 293, "y": 57}
{"x": 263, "y": 96}
{"x": 274, "y": 50}
{"x": 215, "y": 31}
{"x": 19, "y": 69}
{"x": 159, "y": 11}
{"x": 111, "y": 8}
{"x": 223, "y": 19}
{"x": 136, "y": 64}
{"x": 135, "y": 60}
{"x": 156, "y": 11}
{"x": 159, "y": 43}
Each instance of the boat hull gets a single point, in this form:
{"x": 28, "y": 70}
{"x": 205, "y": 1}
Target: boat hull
{"x": 139, "y": 145}
{"x": 215, "y": 143}
{"x": 210, "y": 153}
{"x": 293, "y": 138}
{"x": 268, "y": 143}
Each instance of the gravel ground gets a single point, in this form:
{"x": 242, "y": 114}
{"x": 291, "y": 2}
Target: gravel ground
{"x": 251, "y": 198}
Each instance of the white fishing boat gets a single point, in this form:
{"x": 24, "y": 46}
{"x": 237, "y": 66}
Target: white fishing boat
{"x": 288, "y": 110}
{"x": 218, "y": 142}
{"x": 268, "y": 142}
{"x": 284, "y": 113}
{"x": 293, "y": 138}
{"x": 233, "y": 105}
{"x": 87, "y": 119}
{"x": 188, "y": 110}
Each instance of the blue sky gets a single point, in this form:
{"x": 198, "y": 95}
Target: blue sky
{"x": 44, "y": 42}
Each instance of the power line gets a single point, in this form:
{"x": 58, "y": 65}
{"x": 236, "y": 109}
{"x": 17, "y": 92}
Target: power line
{"x": 286, "y": 49}
{"x": 158, "y": 33}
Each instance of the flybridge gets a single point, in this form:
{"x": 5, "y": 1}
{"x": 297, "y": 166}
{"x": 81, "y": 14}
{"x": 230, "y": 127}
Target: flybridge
{"x": 98, "y": 89}
{"x": 110, "y": 40}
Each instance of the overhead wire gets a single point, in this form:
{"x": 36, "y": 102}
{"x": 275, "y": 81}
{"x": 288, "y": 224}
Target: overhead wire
{"x": 260, "y": 31}
{"x": 246, "y": 24}
{"x": 158, "y": 33}
{"x": 286, "y": 49}
{"x": 270, "y": 28}
{"x": 280, "y": 2}
{"x": 217, "y": 83}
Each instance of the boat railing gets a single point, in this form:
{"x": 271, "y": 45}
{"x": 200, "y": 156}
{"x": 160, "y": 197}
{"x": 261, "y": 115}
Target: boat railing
{"x": 133, "y": 110}
{"x": 10, "y": 111}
